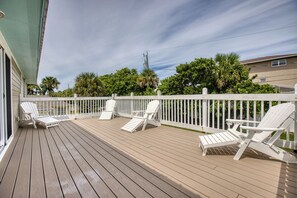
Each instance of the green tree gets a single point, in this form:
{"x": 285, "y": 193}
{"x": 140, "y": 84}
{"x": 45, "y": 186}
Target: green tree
{"x": 223, "y": 74}
{"x": 228, "y": 72}
{"x": 65, "y": 93}
{"x": 32, "y": 89}
{"x": 122, "y": 82}
{"x": 148, "y": 78}
{"x": 190, "y": 78}
{"x": 88, "y": 84}
{"x": 48, "y": 84}
{"x": 248, "y": 86}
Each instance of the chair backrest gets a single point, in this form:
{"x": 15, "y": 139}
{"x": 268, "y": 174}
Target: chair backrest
{"x": 110, "y": 105}
{"x": 152, "y": 106}
{"x": 274, "y": 118}
{"x": 30, "y": 107}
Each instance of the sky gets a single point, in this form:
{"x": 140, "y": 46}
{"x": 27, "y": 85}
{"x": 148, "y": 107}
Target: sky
{"x": 103, "y": 36}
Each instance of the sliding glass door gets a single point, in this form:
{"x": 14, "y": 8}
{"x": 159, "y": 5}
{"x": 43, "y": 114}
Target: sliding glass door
{"x": 5, "y": 99}
{"x": 2, "y": 112}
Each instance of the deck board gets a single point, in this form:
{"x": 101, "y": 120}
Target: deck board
{"x": 79, "y": 178}
{"x": 134, "y": 188}
{"x": 10, "y": 175}
{"x": 148, "y": 181}
{"x": 37, "y": 170}
{"x": 69, "y": 161}
{"x": 6, "y": 158}
{"x": 51, "y": 180}
{"x": 97, "y": 184}
{"x": 67, "y": 184}
{"x": 175, "y": 153}
{"x": 23, "y": 183}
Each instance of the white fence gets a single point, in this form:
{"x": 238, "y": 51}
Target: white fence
{"x": 68, "y": 107}
{"x": 204, "y": 112}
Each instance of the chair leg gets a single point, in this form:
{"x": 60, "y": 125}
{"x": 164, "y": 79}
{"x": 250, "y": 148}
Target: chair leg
{"x": 144, "y": 124}
{"x": 242, "y": 148}
{"x": 34, "y": 124}
{"x": 204, "y": 152}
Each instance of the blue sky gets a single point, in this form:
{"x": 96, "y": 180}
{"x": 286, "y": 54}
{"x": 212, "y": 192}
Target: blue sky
{"x": 103, "y": 36}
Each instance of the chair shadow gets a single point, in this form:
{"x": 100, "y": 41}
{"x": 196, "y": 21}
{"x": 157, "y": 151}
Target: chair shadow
{"x": 287, "y": 182}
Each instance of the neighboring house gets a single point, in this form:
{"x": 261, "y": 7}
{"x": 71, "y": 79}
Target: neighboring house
{"x": 22, "y": 26}
{"x": 279, "y": 70}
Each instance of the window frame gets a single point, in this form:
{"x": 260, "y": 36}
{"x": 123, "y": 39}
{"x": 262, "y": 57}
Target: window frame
{"x": 279, "y": 63}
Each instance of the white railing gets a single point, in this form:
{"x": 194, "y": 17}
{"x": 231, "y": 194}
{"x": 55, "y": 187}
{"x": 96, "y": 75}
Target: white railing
{"x": 68, "y": 107}
{"x": 203, "y": 112}
{"x": 208, "y": 112}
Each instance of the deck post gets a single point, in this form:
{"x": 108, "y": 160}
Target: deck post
{"x": 160, "y": 108}
{"x": 75, "y": 97}
{"x": 204, "y": 108}
{"x": 295, "y": 123}
{"x": 131, "y": 102}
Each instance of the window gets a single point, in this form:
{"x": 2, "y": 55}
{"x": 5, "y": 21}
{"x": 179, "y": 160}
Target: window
{"x": 278, "y": 63}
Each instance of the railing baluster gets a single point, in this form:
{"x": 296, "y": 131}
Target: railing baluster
{"x": 223, "y": 117}
{"x": 241, "y": 112}
{"x": 234, "y": 111}
{"x": 262, "y": 109}
{"x": 208, "y": 113}
{"x": 196, "y": 118}
{"x": 218, "y": 117}
{"x": 200, "y": 114}
{"x": 213, "y": 114}
{"x": 255, "y": 112}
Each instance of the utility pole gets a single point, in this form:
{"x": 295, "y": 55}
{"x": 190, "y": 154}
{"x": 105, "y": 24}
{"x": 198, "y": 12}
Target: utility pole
{"x": 145, "y": 60}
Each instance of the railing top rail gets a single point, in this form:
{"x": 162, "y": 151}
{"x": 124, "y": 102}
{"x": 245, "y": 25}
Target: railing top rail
{"x": 245, "y": 97}
{"x": 135, "y": 97}
{"x": 36, "y": 99}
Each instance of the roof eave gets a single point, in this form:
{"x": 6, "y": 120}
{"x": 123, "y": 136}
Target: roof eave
{"x": 268, "y": 59}
{"x": 42, "y": 30}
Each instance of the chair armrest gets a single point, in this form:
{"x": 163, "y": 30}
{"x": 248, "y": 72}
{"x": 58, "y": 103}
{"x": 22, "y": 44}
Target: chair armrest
{"x": 139, "y": 117}
{"x": 259, "y": 129}
{"x": 138, "y": 111}
{"x": 135, "y": 113}
{"x": 27, "y": 115}
{"x": 241, "y": 121}
{"x": 150, "y": 112}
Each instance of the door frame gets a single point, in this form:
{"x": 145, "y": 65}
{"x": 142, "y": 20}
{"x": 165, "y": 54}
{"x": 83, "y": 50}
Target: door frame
{"x": 4, "y": 110}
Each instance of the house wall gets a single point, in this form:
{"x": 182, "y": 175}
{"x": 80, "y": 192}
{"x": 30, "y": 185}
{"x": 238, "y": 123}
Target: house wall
{"x": 16, "y": 86}
{"x": 284, "y": 76}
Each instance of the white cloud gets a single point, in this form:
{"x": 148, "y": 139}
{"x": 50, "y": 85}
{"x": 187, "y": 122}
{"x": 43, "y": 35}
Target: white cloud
{"x": 104, "y": 36}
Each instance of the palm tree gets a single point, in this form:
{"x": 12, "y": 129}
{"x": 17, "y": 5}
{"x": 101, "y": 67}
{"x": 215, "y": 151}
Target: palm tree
{"x": 88, "y": 85}
{"x": 32, "y": 89}
{"x": 48, "y": 84}
{"x": 148, "y": 78}
{"x": 229, "y": 71}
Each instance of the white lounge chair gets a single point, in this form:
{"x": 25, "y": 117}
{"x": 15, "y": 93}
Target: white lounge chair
{"x": 109, "y": 110}
{"x": 148, "y": 117}
{"x": 259, "y": 138}
{"x": 31, "y": 114}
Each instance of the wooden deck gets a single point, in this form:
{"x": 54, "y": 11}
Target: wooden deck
{"x": 68, "y": 161}
{"x": 92, "y": 158}
{"x": 175, "y": 154}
